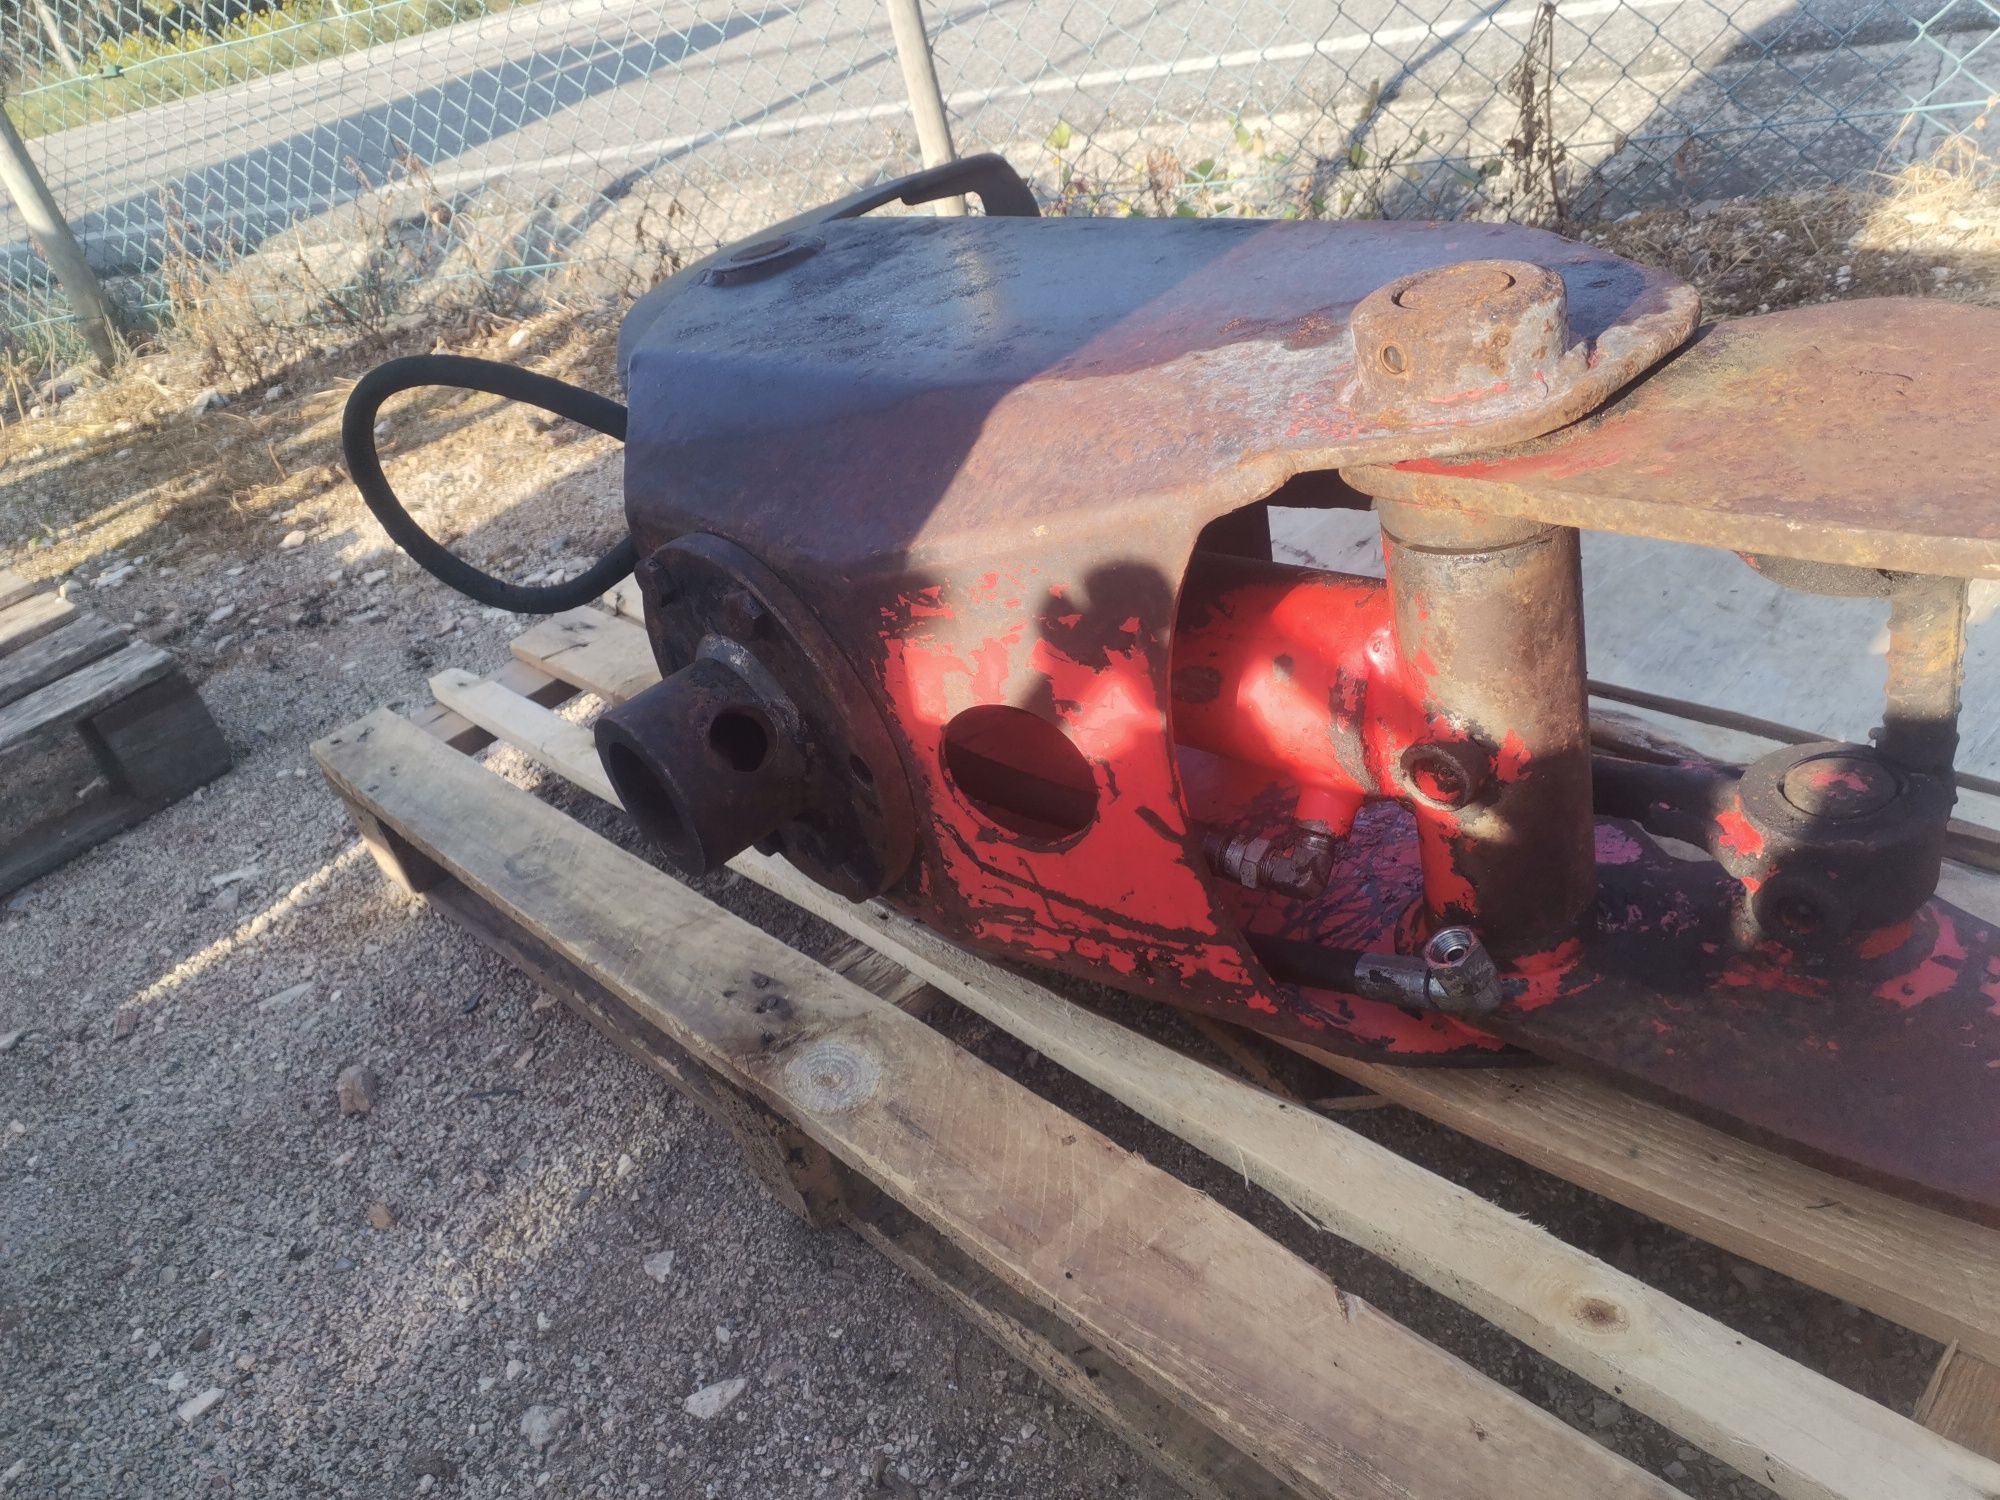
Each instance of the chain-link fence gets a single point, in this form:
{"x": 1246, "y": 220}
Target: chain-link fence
{"x": 348, "y": 158}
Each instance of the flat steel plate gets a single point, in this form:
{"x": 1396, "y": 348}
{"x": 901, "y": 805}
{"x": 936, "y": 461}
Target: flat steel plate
{"x": 1887, "y": 1072}
{"x": 942, "y": 390}
{"x": 1865, "y": 433}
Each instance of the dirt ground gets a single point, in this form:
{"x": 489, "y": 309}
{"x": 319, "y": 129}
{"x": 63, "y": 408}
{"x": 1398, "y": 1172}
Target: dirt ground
{"x": 511, "y": 1273}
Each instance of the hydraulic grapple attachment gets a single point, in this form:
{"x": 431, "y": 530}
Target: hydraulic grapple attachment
{"x": 952, "y": 535}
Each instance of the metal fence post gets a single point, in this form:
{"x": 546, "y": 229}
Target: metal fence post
{"x": 56, "y": 42}
{"x": 913, "y": 51}
{"x": 52, "y": 236}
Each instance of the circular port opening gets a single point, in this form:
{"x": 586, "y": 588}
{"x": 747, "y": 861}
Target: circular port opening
{"x": 1449, "y": 948}
{"x": 645, "y": 797}
{"x": 740, "y": 737}
{"x": 1020, "y": 772}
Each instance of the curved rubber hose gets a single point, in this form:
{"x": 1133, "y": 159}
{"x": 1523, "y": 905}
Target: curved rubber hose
{"x": 357, "y": 443}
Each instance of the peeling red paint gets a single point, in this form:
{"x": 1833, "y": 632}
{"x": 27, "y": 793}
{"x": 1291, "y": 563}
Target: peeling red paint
{"x": 1539, "y": 977}
{"x": 1936, "y": 975}
{"x": 1885, "y": 940}
{"x": 1737, "y": 834}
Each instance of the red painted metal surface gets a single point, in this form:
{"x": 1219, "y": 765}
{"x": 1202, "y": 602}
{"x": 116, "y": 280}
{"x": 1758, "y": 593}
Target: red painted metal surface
{"x": 982, "y": 452}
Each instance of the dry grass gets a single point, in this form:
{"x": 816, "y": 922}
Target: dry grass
{"x": 127, "y": 467}
{"x": 1931, "y": 229}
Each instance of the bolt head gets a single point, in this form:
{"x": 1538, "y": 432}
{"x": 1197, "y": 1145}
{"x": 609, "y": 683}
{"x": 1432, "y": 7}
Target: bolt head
{"x": 656, "y": 579}
{"x": 741, "y": 615}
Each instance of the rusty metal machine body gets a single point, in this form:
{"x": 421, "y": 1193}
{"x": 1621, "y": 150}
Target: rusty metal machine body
{"x": 952, "y": 540}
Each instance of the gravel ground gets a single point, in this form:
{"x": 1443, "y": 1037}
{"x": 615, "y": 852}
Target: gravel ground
{"x": 524, "y": 1265}
{"x": 513, "y": 1270}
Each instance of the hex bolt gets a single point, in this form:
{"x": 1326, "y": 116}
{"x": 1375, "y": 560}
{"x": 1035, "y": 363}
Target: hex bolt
{"x": 741, "y": 615}
{"x": 655, "y": 579}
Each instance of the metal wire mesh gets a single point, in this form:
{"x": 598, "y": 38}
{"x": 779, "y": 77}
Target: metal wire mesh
{"x": 350, "y": 159}
{"x": 1578, "y": 108}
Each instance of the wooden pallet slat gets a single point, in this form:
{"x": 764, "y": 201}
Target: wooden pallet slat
{"x": 1775, "y": 1420}
{"x": 14, "y": 588}
{"x": 1926, "y": 1270}
{"x": 1318, "y": 1386}
{"x": 26, "y": 621}
{"x": 517, "y": 677}
{"x": 97, "y": 732}
{"x": 1962, "y": 1402}
{"x": 542, "y": 736}
{"x": 79, "y": 641}
{"x": 84, "y": 692}
{"x": 587, "y": 647}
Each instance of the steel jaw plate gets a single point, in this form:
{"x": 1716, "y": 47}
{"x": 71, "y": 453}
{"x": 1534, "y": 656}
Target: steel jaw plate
{"x": 1865, "y": 435}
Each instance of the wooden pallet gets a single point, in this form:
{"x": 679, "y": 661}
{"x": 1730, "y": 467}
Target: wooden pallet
{"x": 97, "y": 731}
{"x": 1221, "y": 1356}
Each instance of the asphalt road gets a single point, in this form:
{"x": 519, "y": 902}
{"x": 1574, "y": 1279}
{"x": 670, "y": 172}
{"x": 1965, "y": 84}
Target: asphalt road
{"x": 587, "y": 97}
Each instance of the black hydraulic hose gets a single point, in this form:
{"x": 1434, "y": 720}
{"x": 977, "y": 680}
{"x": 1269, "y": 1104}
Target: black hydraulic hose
{"x": 1290, "y": 961}
{"x": 357, "y": 443}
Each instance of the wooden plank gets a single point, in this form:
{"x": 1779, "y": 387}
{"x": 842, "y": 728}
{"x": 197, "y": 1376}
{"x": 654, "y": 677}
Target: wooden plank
{"x": 14, "y": 588}
{"x": 883, "y": 976}
{"x": 82, "y": 640}
{"x": 543, "y": 736}
{"x": 32, "y": 618}
{"x": 54, "y": 842}
{"x": 1194, "y": 1457}
{"x": 1323, "y": 1389}
{"x": 1784, "y": 1425}
{"x": 1928, "y": 1271}
{"x": 84, "y": 692}
{"x": 591, "y": 650}
{"x": 624, "y": 600}
{"x": 517, "y": 677}
{"x": 1962, "y": 1402}
{"x": 159, "y": 742}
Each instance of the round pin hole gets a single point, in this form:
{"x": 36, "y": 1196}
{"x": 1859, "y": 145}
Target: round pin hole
{"x": 740, "y": 737}
{"x": 858, "y": 769}
{"x": 1020, "y": 772}
{"x": 1797, "y": 914}
{"x": 1390, "y": 357}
